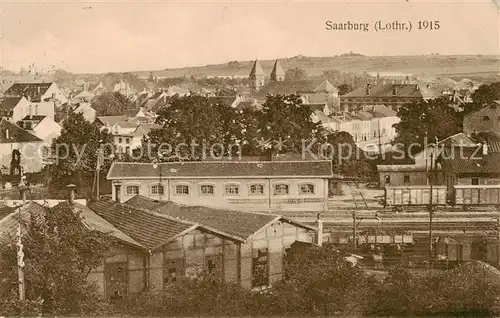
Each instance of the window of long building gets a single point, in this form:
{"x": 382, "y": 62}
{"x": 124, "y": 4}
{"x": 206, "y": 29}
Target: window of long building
{"x": 281, "y": 189}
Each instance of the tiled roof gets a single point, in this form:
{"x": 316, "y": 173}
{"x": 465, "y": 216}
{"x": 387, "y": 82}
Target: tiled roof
{"x": 143, "y": 202}
{"x": 16, "y": 133}
{"x": 491, "y": 138}
{"x": 151, "y": 230}
{"x": 36, "y": 117}
{"x": 296, "y": 87}
{"x": 8, "y": 103}
{"x": 401, "y": 168}
{"x": 145, "y": 128}
{"x": 9, "y": 224}
{"x": 225, "y": 169}
{"x": 488, "y": 164}
{"x": 33, "y": 90}
{"x": 111, "y": 120}
{"x": 238, "y": 224}
{"x": 402, "y": 90}
{"x": 97, "y": 223}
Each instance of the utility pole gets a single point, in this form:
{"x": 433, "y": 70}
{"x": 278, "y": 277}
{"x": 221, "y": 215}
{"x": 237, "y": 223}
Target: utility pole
{"x": 431, "y": 213}
{"x": 20, "y": 260}
{"x": 100, "y": 159}
{"x": 354, "y": 232}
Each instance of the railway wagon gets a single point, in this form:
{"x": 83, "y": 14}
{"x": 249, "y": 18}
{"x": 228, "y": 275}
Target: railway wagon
{"x": 414, "y": 195}
{"x": 476, "y": 194}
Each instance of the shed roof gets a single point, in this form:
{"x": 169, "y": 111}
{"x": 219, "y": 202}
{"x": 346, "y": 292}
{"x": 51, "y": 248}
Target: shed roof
{"x": 149, "y": 229}
{"x": 238, "y": 224}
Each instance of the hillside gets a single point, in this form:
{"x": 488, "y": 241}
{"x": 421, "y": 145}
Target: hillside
{"x": 460, "y": 65}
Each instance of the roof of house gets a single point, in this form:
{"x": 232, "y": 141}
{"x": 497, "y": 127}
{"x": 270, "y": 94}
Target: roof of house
{"x": 221, "y": 169}
{"x": 150, "y": 229}
{"x": 401, "y": 168}
{"x": 32, "y": 90}
{"x": 8, "y": 103}
{"x": 111, "y": 120}
{"x": 97, "y": 223}
{"x": 15, "y": 133}
{"x": 491, "y": 138}
{"x": 10, "y": 223}
{"x": 84, "y": 94}
{"x": 145, "y": 128}
{"x": 486, "y": 164}
{"x": 388, "y": 90}
{"x": 296, "y": 87}
{"x": 35, "y": 117}
{"x": 235, "y": 223}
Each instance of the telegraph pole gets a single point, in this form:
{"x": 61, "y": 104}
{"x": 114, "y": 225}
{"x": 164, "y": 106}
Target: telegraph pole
{"x": 20, "y": 260}
{"x": 431, "y": 212}
{"x": 354, "y": 232}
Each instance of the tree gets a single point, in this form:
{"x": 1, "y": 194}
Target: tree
{"x": 423, "y": 120}
{"x": 111, "y": 104}
{"x": 76, "y": 153}
{"x": 193, "y": 129}
{"x": 345, "y": 88}
{"x": 484, "y": 95}
{"x": 59, "y": 253}
{"x": 286, "y": 123}
{"x": 295, "y": 74}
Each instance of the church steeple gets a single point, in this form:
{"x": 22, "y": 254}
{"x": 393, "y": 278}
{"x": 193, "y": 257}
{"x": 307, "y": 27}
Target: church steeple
{"x": 257, "y": 76}
{"x": 277, "y": 74}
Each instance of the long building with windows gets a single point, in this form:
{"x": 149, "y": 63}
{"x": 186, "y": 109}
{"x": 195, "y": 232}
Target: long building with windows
{"x": 261, "y": 186}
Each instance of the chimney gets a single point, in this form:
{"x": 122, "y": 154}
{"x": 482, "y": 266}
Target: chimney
{"x": 485, "y": 149}
{"x": 368, "y": 86}
{"x": 71, "y": 188}
{"x": 118, "y": 186}
{"x": 7, "y": 134}
{"x": 38, "y": 89}
{"x": 319, "y": 234}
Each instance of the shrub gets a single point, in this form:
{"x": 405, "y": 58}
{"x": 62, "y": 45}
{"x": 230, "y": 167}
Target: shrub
{"x": 203, "y": 296}
{"x": 14, "y": 307}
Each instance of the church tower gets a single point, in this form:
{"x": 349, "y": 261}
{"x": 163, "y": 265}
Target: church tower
{"x": 257, "y": 76}
{"x": 277, "y": 74}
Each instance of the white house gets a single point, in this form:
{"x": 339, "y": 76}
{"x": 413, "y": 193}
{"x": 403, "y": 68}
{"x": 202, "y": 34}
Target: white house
{"x": 372, "y": 128}
{"x": 14, "y": 139}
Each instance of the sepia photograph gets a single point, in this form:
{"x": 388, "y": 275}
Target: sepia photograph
{"x": 249, "y": 159}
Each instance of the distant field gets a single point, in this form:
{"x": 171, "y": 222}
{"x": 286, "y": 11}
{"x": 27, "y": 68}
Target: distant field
{"x": 475, "y": 66}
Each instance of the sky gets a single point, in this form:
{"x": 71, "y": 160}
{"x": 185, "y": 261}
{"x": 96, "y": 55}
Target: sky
{"x": 119, "y": 36}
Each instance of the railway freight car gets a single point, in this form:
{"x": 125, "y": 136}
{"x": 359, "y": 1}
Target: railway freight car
{"x": 418, "y": 195}
{"x": 476, "y": 194}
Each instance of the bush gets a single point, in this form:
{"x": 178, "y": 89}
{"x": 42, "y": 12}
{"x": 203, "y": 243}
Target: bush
{"x": 469, "y": 290}
{"x": 14, "y": 307}
{"x": 203, "y": 296}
